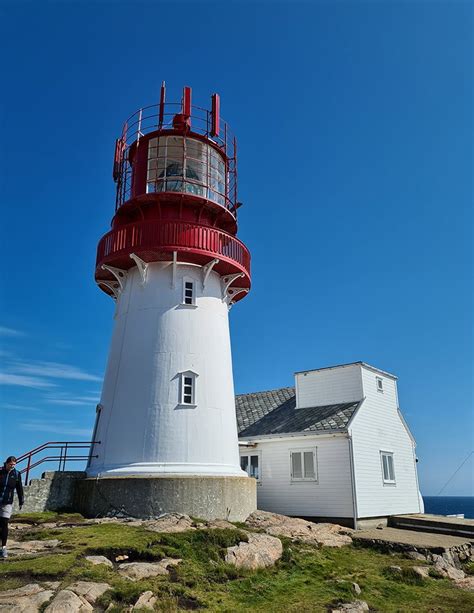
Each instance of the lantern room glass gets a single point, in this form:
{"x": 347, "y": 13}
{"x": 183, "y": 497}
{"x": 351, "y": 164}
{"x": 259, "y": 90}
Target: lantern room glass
{"x": 187, "y": 165}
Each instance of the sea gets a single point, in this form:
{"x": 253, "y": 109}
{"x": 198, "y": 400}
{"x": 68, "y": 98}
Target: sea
{"x": 450, "y": 505}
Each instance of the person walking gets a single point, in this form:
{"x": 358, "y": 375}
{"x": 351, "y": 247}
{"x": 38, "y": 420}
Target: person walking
{"x": 10, "y": 480}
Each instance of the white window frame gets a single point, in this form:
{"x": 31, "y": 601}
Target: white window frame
{"x": 379, "y": 384}
{"x": 183, "y": 392}
{"x": 384, "y": 479}
{"x": 302, "y": 451}
{"x": 249, "y": 454}
{"x": 193, "y": 297}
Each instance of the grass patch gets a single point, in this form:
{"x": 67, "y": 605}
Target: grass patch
{"x": 46, "y": 517}
{"x": 469, "y": 568}
{"x": 306, "y": 578}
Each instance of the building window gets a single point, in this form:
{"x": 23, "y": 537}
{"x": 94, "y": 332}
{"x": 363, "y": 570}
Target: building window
{"x": 388, "y": 470}
{"x": 379, "y": 381}
{"x": 189, "y": 293}
{"x": 251, "y": 464}
{"x": 304, "y": 465}
{"x": 188, "y": 389}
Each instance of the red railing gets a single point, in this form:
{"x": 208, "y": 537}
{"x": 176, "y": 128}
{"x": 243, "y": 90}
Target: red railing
{"x": 63, "y": 457}
{"x": 159, "y": 117}
{"x": 174, "y": 236}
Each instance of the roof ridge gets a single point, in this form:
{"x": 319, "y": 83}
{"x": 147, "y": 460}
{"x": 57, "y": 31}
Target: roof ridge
{"x": 277, "y": 389}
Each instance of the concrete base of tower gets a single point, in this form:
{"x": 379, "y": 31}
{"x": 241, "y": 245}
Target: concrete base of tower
{"x": 207, "y": 497}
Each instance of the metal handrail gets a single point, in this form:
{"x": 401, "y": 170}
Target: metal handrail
{"x": 63, "y": 457}
{"x": 156, "y": 117}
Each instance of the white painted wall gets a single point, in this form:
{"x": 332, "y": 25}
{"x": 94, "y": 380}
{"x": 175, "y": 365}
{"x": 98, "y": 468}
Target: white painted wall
{"x": 142, "y": 427}
{"x": 378, "y": 427}
{"x": 331, "y": 496}
{"x": 328, "y": 386}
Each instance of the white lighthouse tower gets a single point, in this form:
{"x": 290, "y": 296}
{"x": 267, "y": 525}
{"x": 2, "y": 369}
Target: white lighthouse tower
{"x": 165, "y": 427}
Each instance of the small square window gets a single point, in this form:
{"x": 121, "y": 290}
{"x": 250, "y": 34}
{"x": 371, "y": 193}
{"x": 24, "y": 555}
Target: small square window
{"x": 379, "y": 381}
{"x": 188, "y": 389}
{"x": 388, "y": 468}
{"x": 189, "y": 294}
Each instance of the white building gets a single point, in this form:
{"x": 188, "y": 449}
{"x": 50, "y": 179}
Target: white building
{"x": 335, "y": 446}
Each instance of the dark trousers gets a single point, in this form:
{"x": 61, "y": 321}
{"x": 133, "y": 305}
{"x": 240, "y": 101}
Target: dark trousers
{"x": 4, "y": 530}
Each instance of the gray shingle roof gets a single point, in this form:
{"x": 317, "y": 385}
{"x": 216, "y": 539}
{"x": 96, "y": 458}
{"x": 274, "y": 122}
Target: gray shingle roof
{"x": 274, "y": 412}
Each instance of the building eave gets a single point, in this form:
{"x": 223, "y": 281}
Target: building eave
{"x": 364, "y": 364}
{"x": 342, "y": 433}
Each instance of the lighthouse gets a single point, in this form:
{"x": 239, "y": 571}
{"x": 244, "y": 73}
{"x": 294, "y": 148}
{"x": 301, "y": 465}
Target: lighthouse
{"x": 165, "y": 431}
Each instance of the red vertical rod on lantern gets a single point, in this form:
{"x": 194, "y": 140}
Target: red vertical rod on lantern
{"x": 162, "y": 105}
{"x": 215, "y": 112}
{"x": 187, "y": 101}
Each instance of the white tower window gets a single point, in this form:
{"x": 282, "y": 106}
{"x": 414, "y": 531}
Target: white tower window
{"x": 187, "y": 394}
{"x": 189, "y": 291}
{"x": 379, "y": 384}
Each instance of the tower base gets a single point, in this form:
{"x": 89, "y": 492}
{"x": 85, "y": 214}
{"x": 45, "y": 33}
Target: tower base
{"x": 231, "y": 498}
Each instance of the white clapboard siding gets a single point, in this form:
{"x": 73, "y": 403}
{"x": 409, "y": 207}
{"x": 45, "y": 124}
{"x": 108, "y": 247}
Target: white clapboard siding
{"x": 331, "y": 496}
{"x": 377, "y": 427}
{"x": 328, "y": 386}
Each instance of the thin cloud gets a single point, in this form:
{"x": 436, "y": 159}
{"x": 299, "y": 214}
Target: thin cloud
{"x": 16, "y": 407}
{"x": 10, "y": 332}
{"x": 55, "y": 370}
{"x": 22, "y": 381}
{"x": 82, "y": 400}
{"x": 60, "y": 427}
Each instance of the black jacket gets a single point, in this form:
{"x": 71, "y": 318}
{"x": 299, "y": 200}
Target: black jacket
{"x": 10, "y": 480}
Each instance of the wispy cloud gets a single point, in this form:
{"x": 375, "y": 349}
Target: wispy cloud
{"x": 23, "y": 381}
{"x": 54, "y": 370}
{"x": 67, "y": 428}
{"x": 65, "y": 400}
{"x": 10, "y": 332}
{"x": 16, "y": 407}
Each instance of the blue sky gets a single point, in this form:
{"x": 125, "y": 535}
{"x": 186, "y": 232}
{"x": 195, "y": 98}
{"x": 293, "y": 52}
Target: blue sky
{"x": 354, "y": 123}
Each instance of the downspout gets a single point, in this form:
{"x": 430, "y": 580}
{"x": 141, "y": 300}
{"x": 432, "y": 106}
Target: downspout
{"x": 354, "y": 494}
{"x": 413, "y": 447}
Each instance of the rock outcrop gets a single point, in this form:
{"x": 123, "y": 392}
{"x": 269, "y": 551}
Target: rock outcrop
{"x": 329, "y": 535}
{"x": 142, "y": 570}
{"x": 262, "y": 550}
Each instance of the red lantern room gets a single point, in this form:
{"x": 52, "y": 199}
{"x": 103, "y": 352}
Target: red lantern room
{"x": 175, "y": 167}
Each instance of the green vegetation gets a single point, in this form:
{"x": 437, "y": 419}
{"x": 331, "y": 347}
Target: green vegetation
{"x": 306, "y": 579}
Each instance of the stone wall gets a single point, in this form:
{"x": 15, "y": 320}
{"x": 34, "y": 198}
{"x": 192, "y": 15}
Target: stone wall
{"x": 231, "y": 498}
{"x": 53, "y": 492}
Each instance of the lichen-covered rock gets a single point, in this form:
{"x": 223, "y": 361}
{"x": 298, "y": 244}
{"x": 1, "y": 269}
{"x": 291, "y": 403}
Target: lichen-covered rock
{"x": 19, "y": 548}
{"x": 171, "y": 522}
{"x": 96, "y": 560}
{"x": 423, "y": 572}
{"x": 467, "y": 583}
{"x": 356, "y": 588}
{"x": 330, "y": 535}
{"x": 446, "y": 569}
{"x": 262, "y": 550}
{"x": 416, "y": 555}
{"x": 141, "y": 570}
{"x": 357, "y": 606}
{"x": 66, "y": 601}
{"x": 146, "y": 601}
{"x": 26, "y": 599}
{"x": 89, "y": 590}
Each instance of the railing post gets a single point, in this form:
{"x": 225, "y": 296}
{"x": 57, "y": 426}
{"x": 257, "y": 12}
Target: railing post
{"x": 64, "y": 458}
{"x": 28, "y": 470}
